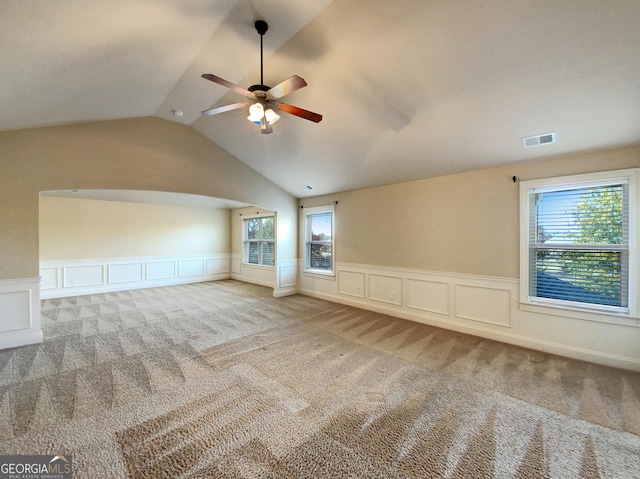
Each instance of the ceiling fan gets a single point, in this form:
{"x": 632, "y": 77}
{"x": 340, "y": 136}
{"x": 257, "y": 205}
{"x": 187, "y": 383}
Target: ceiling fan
{"x": 263, "y": 99}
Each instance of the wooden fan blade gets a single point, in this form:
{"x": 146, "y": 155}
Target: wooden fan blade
{"x": 228, "y": 84}
{"x": 223, "y": 108}
{"x": 288, "y": 86}
{"x": 294, "y": 110}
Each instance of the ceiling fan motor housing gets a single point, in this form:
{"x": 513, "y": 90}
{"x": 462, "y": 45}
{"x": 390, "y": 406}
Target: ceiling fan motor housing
{"x": 253, "y": 88}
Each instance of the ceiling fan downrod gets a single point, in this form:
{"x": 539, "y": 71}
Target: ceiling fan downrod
{"x": 261, "y": 28}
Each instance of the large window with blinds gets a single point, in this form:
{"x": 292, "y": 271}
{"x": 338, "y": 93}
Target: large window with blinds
{"x": 259, "y": 241}
{"x": 577, "y": 241}
{"x": 319, "y": 231}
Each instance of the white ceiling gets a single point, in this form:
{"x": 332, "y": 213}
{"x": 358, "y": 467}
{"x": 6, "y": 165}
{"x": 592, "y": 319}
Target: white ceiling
{"x": 408, "y": 89}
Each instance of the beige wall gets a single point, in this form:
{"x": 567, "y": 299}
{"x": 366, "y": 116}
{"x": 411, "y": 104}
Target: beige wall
{"x": 77, "y": 228}
{"x": 463, "y": 223}
{"x": 140, "y": 154}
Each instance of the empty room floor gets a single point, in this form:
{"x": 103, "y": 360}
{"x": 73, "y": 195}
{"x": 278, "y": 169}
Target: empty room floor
{"x": 222, "y": 380}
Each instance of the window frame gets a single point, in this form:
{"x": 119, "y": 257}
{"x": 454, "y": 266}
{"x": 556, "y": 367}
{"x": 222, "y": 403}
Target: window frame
{"x": 246, "y": 241}
{"x": 620, "y": 315}
{"x": 308, "y": 213}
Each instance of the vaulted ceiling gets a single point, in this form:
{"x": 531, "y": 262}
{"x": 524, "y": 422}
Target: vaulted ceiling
{"x": 408, "y": 89}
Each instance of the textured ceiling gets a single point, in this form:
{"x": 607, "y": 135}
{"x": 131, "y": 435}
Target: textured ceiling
{"x": 408, "y": 89}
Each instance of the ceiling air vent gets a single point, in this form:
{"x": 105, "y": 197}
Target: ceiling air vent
{"x": 539, "y": 140}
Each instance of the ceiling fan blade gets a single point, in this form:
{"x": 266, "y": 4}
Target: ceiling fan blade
{"x": 288, "y": 86}
{"x": 228, "y": 84}
{"x": 294, "y": 110}
{"x": 223, "y": 108}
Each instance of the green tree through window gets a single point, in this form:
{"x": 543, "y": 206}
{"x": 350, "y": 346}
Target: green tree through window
{"x": 597, "y": 220}
{"x": 580, "y": 247}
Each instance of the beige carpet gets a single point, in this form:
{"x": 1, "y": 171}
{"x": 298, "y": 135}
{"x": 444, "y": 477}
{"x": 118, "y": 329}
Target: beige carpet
{"x": 221, "y": 380}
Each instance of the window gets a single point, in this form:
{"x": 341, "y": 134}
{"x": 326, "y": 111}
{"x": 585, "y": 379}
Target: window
{"x": 576, "y": 248}
{"x": 319, "y": 251}
{"x": 259, "y": 244}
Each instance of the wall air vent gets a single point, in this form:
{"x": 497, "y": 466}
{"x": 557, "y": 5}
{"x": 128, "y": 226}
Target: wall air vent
{"x": 539, "y": 140}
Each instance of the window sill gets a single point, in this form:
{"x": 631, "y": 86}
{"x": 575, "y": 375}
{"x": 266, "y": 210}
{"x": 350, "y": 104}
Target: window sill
{"x": 261, "y": 266}
{"x": 319, "y": 274}
{"x": 601, "y": 316}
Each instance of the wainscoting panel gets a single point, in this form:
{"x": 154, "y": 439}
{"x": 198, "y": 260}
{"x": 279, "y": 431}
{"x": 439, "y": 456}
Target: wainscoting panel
{"x": 288, "y": 273}
{"x": 15, "y": 305}
{"x": 79, "y": 277}
{"x": 191, "y": 267}
{"x": 487, "y": 305}
{"x": 19, "y": 312}
{"x": 49, "y": 278}
{"x": 218, "y": 265}
{"x": 385, "y": 289}
{"x": 480, "y": 305}
{"x": 125, "y": 273}
{"x": 351, "y": 283}
{"x": 253, "y": 273}
{"x": 161, "y": 270}
{"x": 430, "y": 296}
{"x": 449, "y": 299}
{"x": 236, "y": 264}
{"x": 89, "y": 275}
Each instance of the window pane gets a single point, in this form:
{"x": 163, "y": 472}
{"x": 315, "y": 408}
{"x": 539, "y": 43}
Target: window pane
{"x": 594, "y": 215}
{"x": 267, "y": 228}
{"x": 320, "y": 227}
{"x": 319, "y": 256}
{"x": 253, "y": 228}
{"x": 562, "y": 220}
{"x": 268, "y": 254}
{"x": 585, "y": 276}
{"x": 254, "y": 254}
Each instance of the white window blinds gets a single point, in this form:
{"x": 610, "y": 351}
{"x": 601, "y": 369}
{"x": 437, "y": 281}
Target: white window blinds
{"x": 259, "y": 243}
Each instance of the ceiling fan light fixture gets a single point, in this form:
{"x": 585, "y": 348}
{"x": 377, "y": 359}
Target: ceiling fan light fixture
{"x": 271, "y": 116}
{"x": 256, "y": 113}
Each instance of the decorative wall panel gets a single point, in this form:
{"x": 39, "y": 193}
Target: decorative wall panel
{"x": 431, "y": 296}
{"x": 385, "y": 289}
{"x": 125, "y": 273}
{"x": 351, "y": 283}
{"x": 93, "y": 276}
{"x": 488, "y": 305}
{"x": 191, "y": 267}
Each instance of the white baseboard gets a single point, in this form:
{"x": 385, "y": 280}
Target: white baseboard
{"x": 13, "y": 339}
{"x": 19, "y": 312}
{"x": 282, "y": 292}
{"x": 482, "y": 306}
{"x": 93, "y": 276}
